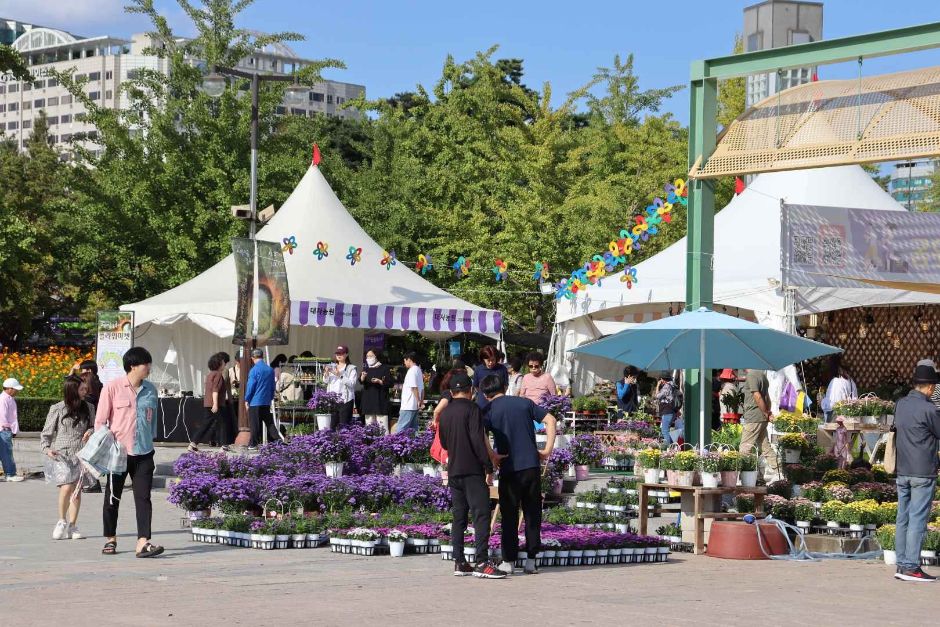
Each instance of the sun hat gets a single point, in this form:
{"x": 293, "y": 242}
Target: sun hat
{"x": 727, "y": 375}
{"x": 12, "y": 383}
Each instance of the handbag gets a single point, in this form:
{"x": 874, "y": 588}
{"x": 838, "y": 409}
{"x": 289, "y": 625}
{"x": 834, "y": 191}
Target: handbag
{"x": 891, "y": 452}
{"x": 437, "y": 449}
{"x": 103, "y": 454}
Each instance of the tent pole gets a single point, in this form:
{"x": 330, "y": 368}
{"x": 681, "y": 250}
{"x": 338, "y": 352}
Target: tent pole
{"x": 701, "y": 386}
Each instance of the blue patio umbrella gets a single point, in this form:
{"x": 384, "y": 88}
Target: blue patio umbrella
{"x": 703, "y": 339}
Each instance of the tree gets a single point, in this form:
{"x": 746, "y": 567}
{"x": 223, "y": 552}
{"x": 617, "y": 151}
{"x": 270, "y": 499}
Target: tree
{"x": 11, "y": 61}
{"x": 731, "y": 91}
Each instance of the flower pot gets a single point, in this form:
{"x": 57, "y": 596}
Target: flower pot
{"x": 562, "y": 557}
{"x": 266, "y": 542}
{"x": 731, "y": 418}
{"x": 833, "y": 524}
{"x": 255, "y": 539}
{"x": 685, "y": 477}
{"x": 556, "y": 486}
{"x": 591, "y": 505}
{"x": 748, "y": 478}
{"x": 928, "y": 554}
{"x": 797, "y": 491}
{"x": 662, "y": 553}
{"x": 710, "y": 479}
{"x": 575, "y": 557}
{"x": 651, "y": 552}
{"x": 470, "y": 553}
{"x": 671, "y": 477}
{"x": 581, "y": 472}
{"x": 622, "y": 527}
{"x": 313, "y": 540}
{"x": 572, "y": 473}
{"x": 299, "y": 540}
{"x": 804, "y": 525}
{"x": 396, "y": 549}
{"x": 282, "y": 541}
{"x": 210, "y": 535}
{"x": 412, "y": 468}
{"x": 324, "y": 422}
{"x": 334, "y": 469}
{"x": 651, "y": 475}
{"x": 590, "y": 556}
{"x": 791, "y": 456}
{"x": 871, "y": 420}
{"x": 854, "y": 527}
{"x": 729, "y": 478}
{"x": 891, "y": 558}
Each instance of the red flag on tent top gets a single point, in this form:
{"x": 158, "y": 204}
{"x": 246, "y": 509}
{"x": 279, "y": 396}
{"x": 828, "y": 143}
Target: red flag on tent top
{"x": 316, "y": 155}
{"x": 738, "y": 185}
{"x": 815, "y": 77}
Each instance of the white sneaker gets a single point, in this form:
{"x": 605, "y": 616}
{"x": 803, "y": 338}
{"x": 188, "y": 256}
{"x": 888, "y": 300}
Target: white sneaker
{"x": 74, "y": 533}
{"x": 505, "y": 567}
{"x": 61, "y": 530}
{"x": 16, "y": 478}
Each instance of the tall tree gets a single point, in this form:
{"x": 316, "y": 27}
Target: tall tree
{"x": 11, "y": 61}
{"x": 731, "y": 91}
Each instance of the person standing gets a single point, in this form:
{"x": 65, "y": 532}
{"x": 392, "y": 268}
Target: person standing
{"x": 917, "y": 433}
{"x": 259, "y": 393}
{"x": 412, "y": 394}
{"x": 537, "y": 383}
{"x": 755, "y": 420}
{"x": 215, "y": 402}
{"x": 667, "y": 402}
{"x": 376, "y": 380}
{"x": 9, "y": 427}
{"x": 489, "y": 365}
{"x": 128, "y": 407}
{"x": 512, "y": 420}
{"x": 628, "y": 395}
{"x": 841, "y": 388}
{"x": 341, "y": 379}
{"x": 88, "y": 371}
{"x": 514, "y": 368}
{"x": 288, "y": 385}
{"x": 69, "y": 424}
{"x": 469, "y": 471}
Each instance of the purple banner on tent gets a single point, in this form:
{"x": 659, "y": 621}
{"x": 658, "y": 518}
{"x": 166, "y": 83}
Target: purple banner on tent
{"x": 394, "y": 318}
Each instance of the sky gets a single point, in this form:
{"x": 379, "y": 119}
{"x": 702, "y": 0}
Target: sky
{"x": 393, "y": 46}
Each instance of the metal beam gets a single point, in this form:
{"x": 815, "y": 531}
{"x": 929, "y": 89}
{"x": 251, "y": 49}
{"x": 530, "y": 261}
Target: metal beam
{"x": 824, "y": 52}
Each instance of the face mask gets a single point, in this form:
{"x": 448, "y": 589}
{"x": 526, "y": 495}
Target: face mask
{"x": 371, "y": 361}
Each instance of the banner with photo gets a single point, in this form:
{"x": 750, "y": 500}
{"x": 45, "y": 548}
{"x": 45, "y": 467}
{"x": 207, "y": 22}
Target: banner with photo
{"x": 273, "y": 293}
{"x": 114, "y": 335}
{"x": 845, "y": 247}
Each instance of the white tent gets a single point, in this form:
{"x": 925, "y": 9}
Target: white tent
{"x": 332, "y": 301}
{"x": 747, "y": 272}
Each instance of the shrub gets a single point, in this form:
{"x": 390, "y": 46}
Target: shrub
{"x": 797, "y": 473}
{"x": 781, "y": 488}
{"x": 838, "y": 492}
{"x": 744, "y": 503}
{"x": 587, "y": 450}
{"x": 803, "y": 509}
{"x": 649, "y": 457}
{"x": 748, "y": 462}
{"x": 826, "y": 462}
{"x": 590, "y": 404}
{"x": 32, "y": 412}
{"x": 793, "y": 441}
{"x": 837, "y": 476}
{"x": 887, "y": 513}
{"x": 885, "y": 536}
{"x": 814, "y": 491}
{"x": 710, "y": 462}
{"x": 780, "y": 507}
{"x": 41, "y": 371}
{"x": 832, "y": 510}
{"x": 686, "y": 460}
{"x": 879, "y": 473}
{"x": 860, "y": 475}
{"x": 729, "y": 460}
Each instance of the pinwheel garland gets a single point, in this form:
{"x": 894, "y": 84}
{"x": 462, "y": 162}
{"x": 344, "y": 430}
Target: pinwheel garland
{"x": 499, "y": 269}
{"x": 461, "y": 267}
{"x": 424, "y": 264}
{"x": 321, "y": 251}
{"x": 541, "y": 271}
{"x": 389, "y": 259}
{"x": 290, "y": 243}
{"x": 629, "y": 277}
{"x": 354, "y": 256}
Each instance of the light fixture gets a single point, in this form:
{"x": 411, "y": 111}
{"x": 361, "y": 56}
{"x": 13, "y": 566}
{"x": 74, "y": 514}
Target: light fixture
{"x": 213, "y": 85}
{"x": 889, "y": 332}
{"x": 897, "y": 341}
{"x": 863, "y": 330}
{"x": 295, "y": 95}
{"x": 924, "y": 325}
{"x": 813, "y": 321}
{"x": 843, "y": 336}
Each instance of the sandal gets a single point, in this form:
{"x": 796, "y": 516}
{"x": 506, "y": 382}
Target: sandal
{"x": 110, "y": 548}
{"x": 150, "y": 550}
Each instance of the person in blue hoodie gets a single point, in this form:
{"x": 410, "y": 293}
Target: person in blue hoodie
{"x": 628, "y": 397}
{"x": 259, "y": 392}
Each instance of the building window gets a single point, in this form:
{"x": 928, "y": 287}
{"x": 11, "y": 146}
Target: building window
{"x": 27, "y": 105}
{"x": 94, "y": 95}
{"x": 53, "y": 120}
{"x": 132, "y": 74}
{"x": 280, "y": 110}
{"x": 13, "y": 106}
{"x": 78, "y": 77}
{"x": 52, "y": 102}
{"x": 12, "y": 89}
{"x": 296, "y": 111}
{"x": 340, "y": 100}
{"x": 80, "y": 117}
{"x": 39, "y": 84}
{"x": 53, "y": 139}
{"x": 316, "y": 96}
{"x": 52, "y": 82}
{"x": 754, "y": 41}
{"x": 108, "y": 94}
{"x": 66, "y": 118}
{"x": 329, "y": 99}
{"x": 94, "y": 76}
{"x": 92, "y": 135}
{"x": 66, "y": 99}
{"x": 27, "y": 124}
{"x": 3, "y": 108}
{"x": 12, "y": 126}
{"x": 39, "y": 103}
{"x": 108, "y": 75}
{"x": 66, "y": 137}
{"x": 799, "y": 37}
{"x": 3, "y": 89}
{"x": 27, "y": 86}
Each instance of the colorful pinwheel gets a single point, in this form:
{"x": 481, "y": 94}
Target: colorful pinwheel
{"x": 541, "y": 271}
{"x": 499, "y": 269}
{"x": 461, "y": 267}
{"x": 321, "y": 251}
{"x": 290, "y": 243}
{"x": 629, "y": 277}
{"x": 424, "y": 264}
{"x": 354, "y": 256}
{"x": 389, "y": 259}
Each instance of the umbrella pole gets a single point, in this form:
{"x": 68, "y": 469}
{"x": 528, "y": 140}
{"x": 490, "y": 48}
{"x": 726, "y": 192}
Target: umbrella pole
{"x": 701, "y": 385}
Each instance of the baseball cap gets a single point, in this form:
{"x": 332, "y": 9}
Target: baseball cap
{"x": 342, "y": 350}
{"x": 12, "y": 383}
{"x": 460, "y": 382}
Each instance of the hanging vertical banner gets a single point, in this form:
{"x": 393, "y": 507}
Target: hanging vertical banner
{"x": 114, "y": 335}
{"x": 273, "y": 293}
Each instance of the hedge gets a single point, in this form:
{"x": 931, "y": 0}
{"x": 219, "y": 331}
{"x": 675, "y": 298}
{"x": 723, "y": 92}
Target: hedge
{"x": 32, "y": 412}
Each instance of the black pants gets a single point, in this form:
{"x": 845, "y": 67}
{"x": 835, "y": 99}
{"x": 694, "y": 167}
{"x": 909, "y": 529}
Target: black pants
{"x": 343, "y": 415}
{"x": 470, "y": 493}
{"x": 520, "y": 488}
{"x": 217, "y": 424}
{"x": 258, "y": 415}
{"x": 140, "y": 468}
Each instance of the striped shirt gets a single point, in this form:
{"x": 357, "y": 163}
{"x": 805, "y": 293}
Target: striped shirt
{"x": 935, "y": 397}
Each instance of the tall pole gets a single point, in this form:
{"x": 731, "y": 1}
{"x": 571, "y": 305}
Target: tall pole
{"x": 253, "y": 204}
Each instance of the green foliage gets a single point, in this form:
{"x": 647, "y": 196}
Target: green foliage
{"x": 729, "y": 435}
{"x": 11, "y": 61}
{"x": 885, "y": 537}
{"x": 589, "y": 404}
{"x": 32, "y": 412}
{"x": 731, "y": 92}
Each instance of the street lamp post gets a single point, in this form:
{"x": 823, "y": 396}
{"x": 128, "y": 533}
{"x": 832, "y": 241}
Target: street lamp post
{"x": 214, "y": 85}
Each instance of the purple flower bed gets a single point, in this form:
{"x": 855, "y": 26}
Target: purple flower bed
{"x": 570, "y": 538}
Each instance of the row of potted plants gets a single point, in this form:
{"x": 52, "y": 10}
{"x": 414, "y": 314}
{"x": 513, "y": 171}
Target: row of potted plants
{"x": 929, "y": 549}
{"x": 687, "y": 467}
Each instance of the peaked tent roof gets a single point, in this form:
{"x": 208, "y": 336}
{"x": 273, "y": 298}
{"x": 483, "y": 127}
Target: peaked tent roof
{"x": 747, "y": 255}
{"x": 395, "y": 298}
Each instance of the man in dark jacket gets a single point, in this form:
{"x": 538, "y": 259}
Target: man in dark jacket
{"x": 468, "y": 473}
{"x": 917, "y": 427}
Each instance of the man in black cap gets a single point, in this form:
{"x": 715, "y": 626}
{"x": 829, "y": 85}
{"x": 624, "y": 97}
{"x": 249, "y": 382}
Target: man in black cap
{"x": 917, "y": 433}
{"x": 468, "y": 473}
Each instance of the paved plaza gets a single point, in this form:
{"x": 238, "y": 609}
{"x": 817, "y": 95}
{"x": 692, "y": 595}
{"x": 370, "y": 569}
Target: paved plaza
{"x": 45, "y": 582}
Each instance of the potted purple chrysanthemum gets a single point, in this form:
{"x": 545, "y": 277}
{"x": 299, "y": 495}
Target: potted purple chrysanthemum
{"x": 323, "y": 403}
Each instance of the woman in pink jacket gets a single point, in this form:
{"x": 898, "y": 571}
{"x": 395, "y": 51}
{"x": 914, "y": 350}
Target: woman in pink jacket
{"x": 128, "y": 406}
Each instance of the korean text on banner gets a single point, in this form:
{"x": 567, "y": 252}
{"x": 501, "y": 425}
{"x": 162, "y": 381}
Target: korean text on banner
{"x": 273, "y": 293}
{"x": 114, "y": 335}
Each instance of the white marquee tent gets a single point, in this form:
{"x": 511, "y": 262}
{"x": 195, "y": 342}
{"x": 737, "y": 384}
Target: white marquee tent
{"x": 747, "y": 279}
{"x": 332, "y": 301}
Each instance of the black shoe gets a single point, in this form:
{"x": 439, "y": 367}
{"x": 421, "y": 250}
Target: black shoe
{"x": 914, "y": 574}
{"x": 462, "y": 569}
{"x": 486, "y": 570}
{"x": 94, "y": 489}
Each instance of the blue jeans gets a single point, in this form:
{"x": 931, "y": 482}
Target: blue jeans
{"x": 6, "y": 453}
{"x": 407, "y": 419}
{"x": 915, "y": 495}
{"x": 664, "y": 427}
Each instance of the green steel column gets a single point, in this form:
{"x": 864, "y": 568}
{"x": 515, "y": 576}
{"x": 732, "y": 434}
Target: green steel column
{"x": 700, "y": 241}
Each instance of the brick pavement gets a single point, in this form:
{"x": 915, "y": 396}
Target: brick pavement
{"x": 69, "y": 583}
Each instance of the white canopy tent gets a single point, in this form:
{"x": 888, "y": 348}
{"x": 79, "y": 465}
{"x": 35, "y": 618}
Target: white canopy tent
{"x": 185, "y": 325}
{"x": 747, "y": 267}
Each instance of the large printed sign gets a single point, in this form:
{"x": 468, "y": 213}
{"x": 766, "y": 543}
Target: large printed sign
{"x": 273, "y": 294}
{"x": 843, "y": 247}
{"x": 114, "y": 335}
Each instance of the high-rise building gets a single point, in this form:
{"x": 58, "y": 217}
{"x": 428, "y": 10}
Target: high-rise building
{"x": 775, "y": 24}
{"x": 910, "y": 181}
{"x": 108, "y": 62}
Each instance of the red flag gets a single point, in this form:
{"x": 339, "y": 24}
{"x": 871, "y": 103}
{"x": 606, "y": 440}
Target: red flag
{"x": 738, "y": 185}
{"x": 815, "y": 77}
{"x": 316, "y": 155}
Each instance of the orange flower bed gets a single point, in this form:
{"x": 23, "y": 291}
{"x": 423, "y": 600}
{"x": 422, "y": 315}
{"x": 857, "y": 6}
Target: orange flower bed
{"x": 41, "y": 371}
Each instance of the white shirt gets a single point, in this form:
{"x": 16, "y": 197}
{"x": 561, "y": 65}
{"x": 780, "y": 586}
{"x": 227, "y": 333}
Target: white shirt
{"x": 839, "y": 390}
{"x": 344, "y": 383}
{"x": 515, "y": 382}
{"x": 413, "y": 379}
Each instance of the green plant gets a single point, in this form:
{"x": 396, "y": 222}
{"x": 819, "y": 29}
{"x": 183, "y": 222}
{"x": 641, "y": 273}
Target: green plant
{"x": 797, "y": 473}
{"x": 686, "y": 460}
{"x": 728, "y": 435}
{"x": 793, "y": 442}
{"x": 710, "y": 462}
{"x": 669, "y": 530}
{"x": 744, "y": 503}
{"x": 781, "y": 488}
{"x": 592, "y": 496}
{"x": 803, "y": 509}
{"x": 885, "y": 536}
{"x": 832, "y": 510}
{"x": 748, "y": 462}
{"x": 729, "y": 460}
{"x": 589, "y": 404}
{"x": 931, "y": 539}
{"x": 814, "y": 491}
{"x": 237, "y": 522}
{"x": 734, "y": 400}
{"x": 825, "y": 463}
{"x": 649, "y": 457}
{"x": 887, "y": 513}
{"x": 837, "y": 476}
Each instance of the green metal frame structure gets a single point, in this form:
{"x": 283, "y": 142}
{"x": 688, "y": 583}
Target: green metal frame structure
{"x": 702, "y": 139}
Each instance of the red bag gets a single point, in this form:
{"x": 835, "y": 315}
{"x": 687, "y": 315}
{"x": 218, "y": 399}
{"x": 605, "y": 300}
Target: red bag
{"x": 437, "y": 451}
